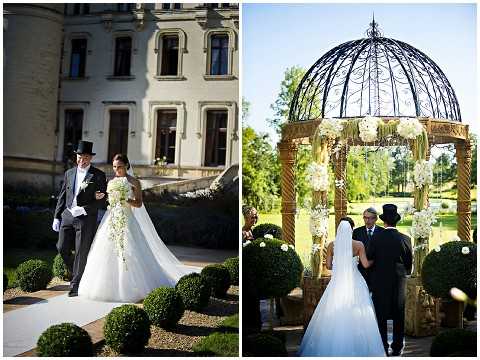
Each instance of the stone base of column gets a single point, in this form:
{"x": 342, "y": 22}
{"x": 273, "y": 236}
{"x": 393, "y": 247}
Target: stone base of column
{"x": 422, "y": 311}
{"x": 313, "y": 290}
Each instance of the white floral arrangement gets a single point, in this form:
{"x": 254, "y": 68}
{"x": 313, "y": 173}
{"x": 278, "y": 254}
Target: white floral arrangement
{"x": 339, "y": 183}
{"x": 330, "y": 128}
{"x": 409, "y": 128}
{"x": 316, "y": 248}
{"x": 317, "y": 176}
{"x": 422, "y": 173}
{"x": 262, "y": 244}
{"x": 422, "y": 223}
{"x": 268, "y": 236}
{"x": 465, "y": 250}
{"x": 117, "y": 190}
{"x": 367, "y": 128}
{"x": 84, "y": 185}
{"x": 319, "y": 221}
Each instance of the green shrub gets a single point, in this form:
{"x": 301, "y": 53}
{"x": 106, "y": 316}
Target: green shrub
{"x": 449, "y": 267}
{"x": 33, "y": 275}
{"x": 444, "y": 205}
{"x": 195, "y": 291}
{"x": 230, "y": 324}
{"x": 261, "y": 230}
{"x": 65, "y": 339}
{"x": 269, "y": 271}
{"x": 60, "y": 269}
{"x": 127, "y": 329}
{"x": 459, "y": 342}
{"x": 164, "y": 307}
{"x": 218, "y": 277}
{"x": 263, "y": 345}
{"x": 232, "y": 266}
{"x": 5, "y": 282}
{"x": 218, "y": 344}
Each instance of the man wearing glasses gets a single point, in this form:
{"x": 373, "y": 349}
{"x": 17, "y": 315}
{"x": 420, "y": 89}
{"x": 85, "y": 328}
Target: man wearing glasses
{"x": 365, "y": 234}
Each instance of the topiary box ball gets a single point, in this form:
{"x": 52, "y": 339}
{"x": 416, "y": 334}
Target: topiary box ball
{"x": 454, "y": 342}
{"x": 261, "y": 230}
{"x": 271, "y": 268}
{"x": 195, "y": 291}
{"x": 164, "y": 307}
{"x": 127, "y": 329}
{"x": 33, "y": 275}
{"x": 60, "y": 269}
{"x": 264, "y": 345}
{"x": 218, "y": 277}
{"x": 453, "y": 264}
{"x": 232, "y": 266}
{"x": 65, "y": 339}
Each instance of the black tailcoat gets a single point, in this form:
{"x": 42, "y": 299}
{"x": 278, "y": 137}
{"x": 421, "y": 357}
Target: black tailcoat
{"x": 360, "y": 234}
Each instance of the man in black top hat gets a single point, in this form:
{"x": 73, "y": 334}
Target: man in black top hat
{"x": 75, "y": 216}
{"x": 391, "y": 252}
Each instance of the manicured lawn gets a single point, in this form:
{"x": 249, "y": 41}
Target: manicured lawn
{"x": 225, "y": 342}
{"x": 303, "y": 240}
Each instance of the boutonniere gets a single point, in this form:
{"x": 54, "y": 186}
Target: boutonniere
{"x": 84, "y": 185}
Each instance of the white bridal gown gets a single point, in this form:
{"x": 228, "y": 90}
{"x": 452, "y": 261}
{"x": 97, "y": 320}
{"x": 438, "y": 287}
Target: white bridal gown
{"x": 344, "y": 322}
{"x": 148, "y": 262}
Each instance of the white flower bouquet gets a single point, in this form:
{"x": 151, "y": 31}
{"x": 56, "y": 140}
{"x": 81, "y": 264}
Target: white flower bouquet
{"x": 422, "y": 223}
{"x": 117, "y": 190}
{"x": 330, "y": 128}
{"x": 319, "y": 221}
{"x": 317, "y": 176}
{"x": 422, "y": 173}
{"x": 409, "y": 128}
{"x": 367, "y": 128}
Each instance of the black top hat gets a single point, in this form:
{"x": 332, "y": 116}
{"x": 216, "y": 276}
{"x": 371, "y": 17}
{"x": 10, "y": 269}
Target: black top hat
{"x": 84, "y": 147}
{"x": 390, "y": 215}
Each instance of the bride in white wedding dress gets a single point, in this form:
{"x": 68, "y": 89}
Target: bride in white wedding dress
{"x": 344, "y": 322}
{"x": 128, "y": 259}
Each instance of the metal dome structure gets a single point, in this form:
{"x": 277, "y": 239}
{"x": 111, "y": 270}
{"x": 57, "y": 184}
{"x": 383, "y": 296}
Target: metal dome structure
{"x": 375, "y": 76}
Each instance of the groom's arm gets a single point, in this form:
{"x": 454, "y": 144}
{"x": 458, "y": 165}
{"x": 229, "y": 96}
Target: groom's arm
{"x": 407, "y": 257}
{"x": 61, "y": 199}
{"x": 371, "y": 249}
{"x": 102, "y": 187}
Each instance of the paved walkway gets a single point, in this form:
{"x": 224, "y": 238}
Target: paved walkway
{"x": 26, "y": 317}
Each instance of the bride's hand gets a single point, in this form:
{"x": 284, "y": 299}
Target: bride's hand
{"x": 99, "y": 195}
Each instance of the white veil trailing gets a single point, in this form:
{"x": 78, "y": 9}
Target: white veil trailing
{"x": 163, "y": 255}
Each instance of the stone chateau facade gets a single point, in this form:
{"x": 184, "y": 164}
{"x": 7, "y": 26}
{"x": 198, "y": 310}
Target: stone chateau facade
{"x": 155, "y": 81}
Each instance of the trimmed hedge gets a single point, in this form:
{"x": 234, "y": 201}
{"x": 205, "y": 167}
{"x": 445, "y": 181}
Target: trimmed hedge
{"x": 232, "y": 266}
{"x": 127, "y": 329}
{"x": 263, "y": 345}
{"x": 64, "y": 339}
{"x": 218, "y": 277}
{"x": 218, "y": 344}
{"x": 195, "y": 291}
{"x": 455, "y": 342}
{"x": 33, "y": 275}
{"x": 269, "y": 271}
{"x": 60, "y": 269}
{"x": 164, "y": 307}
{"x": 261, "y": 230}
{"x": 449, "y": 268}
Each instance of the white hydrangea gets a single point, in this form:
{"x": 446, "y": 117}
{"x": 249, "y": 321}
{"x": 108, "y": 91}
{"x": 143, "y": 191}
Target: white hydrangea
{"x": 422, "y": 173}
{"x": 367, "y": 128}
{"x": 409, "y": 128}
{"x": 284, "y": 247}
{"x": 330, "y": 128}
{"x": 317, "y": 176}
{"x": 319, "y": 221}
{"x": 422, "y": 223}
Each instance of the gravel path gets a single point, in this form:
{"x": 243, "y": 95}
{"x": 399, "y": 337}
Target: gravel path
{"x": 17, "y": 292}
{"x": 190, "y": 329}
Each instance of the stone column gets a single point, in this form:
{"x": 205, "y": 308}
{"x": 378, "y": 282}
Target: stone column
{"x": 288, "y": 151}
{"x": 340, "y": 166}
{"x": 464, "y": 170}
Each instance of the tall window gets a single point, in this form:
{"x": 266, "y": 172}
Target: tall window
{"x": 123, "y": 54}
{"x": 166, "y": 135}
{"x": 211, "y": 5}
{"x": 81, "y": 9}
{"x": 78, "y": 59}
{"x": 125, "y": 7}
{"x": 225, "y": 5}
{"x": 76, "y": 9}
{"x": 177, "y": 6}
{"x": 216, "y": 138}
{"x": 118, "y": 135}
{"x": 219, "y": 55}
{"x": 73, "y": 133}
{"x": 169, "y": 55}
{"x": 165, "y": 6}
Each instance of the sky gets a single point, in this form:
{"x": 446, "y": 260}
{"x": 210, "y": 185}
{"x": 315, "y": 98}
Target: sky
{"x": 278, "y": 36}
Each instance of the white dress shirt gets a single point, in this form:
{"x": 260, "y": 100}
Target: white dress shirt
{"x": 81, "y": 173}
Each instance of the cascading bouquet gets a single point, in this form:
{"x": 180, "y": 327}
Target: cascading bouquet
{"x": 117, "y": 190}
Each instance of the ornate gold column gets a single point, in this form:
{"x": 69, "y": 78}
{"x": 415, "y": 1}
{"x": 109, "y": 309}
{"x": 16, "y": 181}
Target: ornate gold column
{"x": 340, "y": 166}
{"x": 288, "y": 151}
{"x": 464, "y": 170}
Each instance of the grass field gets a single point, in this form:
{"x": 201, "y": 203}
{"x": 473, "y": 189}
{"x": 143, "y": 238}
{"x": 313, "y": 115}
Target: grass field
{"x": 443, "y": 231}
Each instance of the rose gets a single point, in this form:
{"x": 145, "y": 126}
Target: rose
{"x": 262, "y": 244}
{"x": 84, "y": 185}
{"x": 284, "y": 247}
{"x": 317, "y": 176}
{"x": 422, "y": 173}
{"x": 465, "y": 250}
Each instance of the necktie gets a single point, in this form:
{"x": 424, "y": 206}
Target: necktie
{"x": 369, "y": 234}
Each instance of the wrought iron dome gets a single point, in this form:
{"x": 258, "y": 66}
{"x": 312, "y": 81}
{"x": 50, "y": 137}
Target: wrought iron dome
{"x": 375, "y": 76}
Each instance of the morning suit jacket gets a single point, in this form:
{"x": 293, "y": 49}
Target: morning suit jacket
{"x": 86, "y": 198}
{"x": 360, "y": 234}
{"x": 391, "y": 252}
